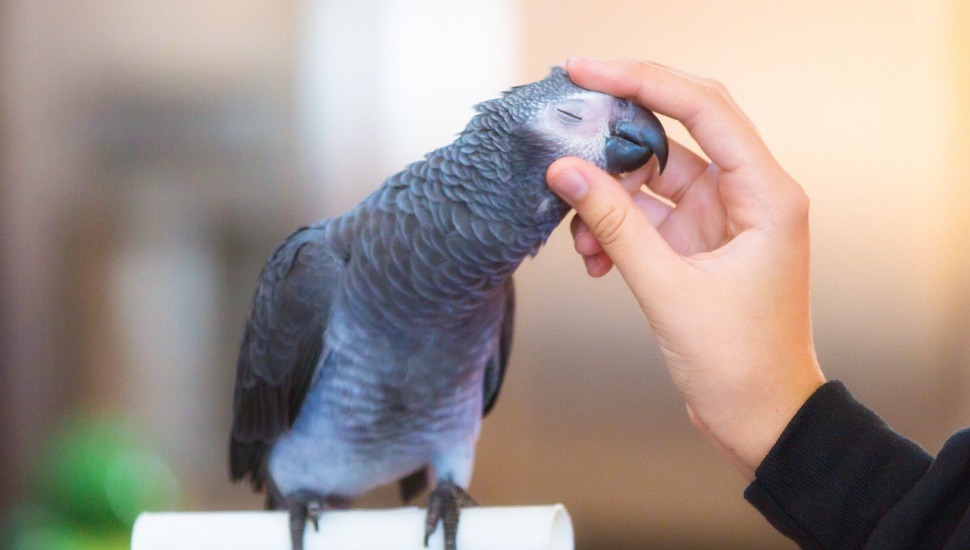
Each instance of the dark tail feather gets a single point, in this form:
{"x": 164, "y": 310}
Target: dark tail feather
{"x": 274, "y": 500}
{"x": 413, "y": 484}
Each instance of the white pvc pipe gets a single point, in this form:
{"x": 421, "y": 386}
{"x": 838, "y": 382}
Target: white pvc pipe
{"x": 480, "y": 528}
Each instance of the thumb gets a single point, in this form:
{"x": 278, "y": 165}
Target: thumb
{"x": 614, "y": 219}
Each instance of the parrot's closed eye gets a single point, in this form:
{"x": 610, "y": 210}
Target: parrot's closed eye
{"x": 570, "y": 115}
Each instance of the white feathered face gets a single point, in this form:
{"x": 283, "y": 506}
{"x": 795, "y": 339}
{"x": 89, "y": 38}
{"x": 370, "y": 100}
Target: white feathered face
{"x": 615, "y": 134}
{"x": 519, "y": 135}
{"x": 578, "y": 125}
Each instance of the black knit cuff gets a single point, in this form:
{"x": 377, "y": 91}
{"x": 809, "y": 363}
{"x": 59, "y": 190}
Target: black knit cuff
{"x": 834, "y": 472}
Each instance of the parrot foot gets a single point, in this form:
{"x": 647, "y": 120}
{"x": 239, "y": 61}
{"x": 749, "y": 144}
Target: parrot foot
{"x": 308, "y": 506}
{"x": 444, "y": 503}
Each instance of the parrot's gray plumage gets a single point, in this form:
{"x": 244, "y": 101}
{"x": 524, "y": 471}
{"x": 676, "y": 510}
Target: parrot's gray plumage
{"x": 379, "y": 339}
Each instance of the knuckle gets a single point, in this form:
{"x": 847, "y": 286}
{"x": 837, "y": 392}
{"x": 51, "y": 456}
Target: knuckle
{"x": 800, "y": 207}
{"x": 609, "y": 225}
{"x": 715, "y": 90}
{"x": 717, "y": 86}
{"x": 711, "y": 95}
{"x": 794, "y": 208}
{"x": 632, "y": 64}
{"x": 796, "y": 199}
{"x": 802, "y": 203}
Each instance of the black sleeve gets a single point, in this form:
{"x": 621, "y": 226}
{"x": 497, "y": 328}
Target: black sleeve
{"x": 839, "y": 477}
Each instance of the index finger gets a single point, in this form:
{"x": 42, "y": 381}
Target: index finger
{"x": 707, "y": 111}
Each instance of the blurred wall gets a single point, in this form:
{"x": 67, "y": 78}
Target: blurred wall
{"x": 146, "y": 164}
{"x": 152, "y": 154}
{"x": 953, "y": 244}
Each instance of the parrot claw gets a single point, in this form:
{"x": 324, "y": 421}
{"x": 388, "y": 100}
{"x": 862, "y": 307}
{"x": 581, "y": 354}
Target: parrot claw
{"x": 313, "y": 510}
{"x": 306, "y": 506}
{"x": 444, "y": 503}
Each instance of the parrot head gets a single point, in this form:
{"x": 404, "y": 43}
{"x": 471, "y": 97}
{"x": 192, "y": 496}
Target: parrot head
{"x": 615, "y": 134}
{"x": 553, "y": 118}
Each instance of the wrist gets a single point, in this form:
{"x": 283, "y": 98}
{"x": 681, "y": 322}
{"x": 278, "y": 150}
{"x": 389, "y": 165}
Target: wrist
{"x": 746, "y": 431}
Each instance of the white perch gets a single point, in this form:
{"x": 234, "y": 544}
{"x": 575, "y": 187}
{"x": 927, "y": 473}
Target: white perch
{"x": 480, "y": 528}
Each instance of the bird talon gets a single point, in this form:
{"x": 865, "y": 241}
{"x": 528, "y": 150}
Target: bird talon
{"x": 313, "y": 511}
{"x": 444, "y": 505}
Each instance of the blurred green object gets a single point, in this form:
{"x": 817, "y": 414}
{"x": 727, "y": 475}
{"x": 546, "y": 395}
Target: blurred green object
{"x": 92, "y": 479}
{"x": 57, "y": 534}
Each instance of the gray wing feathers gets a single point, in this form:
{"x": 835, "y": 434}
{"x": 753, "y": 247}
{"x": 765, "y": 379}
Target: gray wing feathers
{"x": 281, "y": 347}
{"x": 495, "y": 370}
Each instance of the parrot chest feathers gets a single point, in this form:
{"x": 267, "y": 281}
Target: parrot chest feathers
{"x": 379, "y": 419}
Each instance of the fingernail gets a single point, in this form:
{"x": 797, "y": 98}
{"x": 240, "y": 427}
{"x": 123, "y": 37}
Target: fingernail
{"x": 570, "y": 185}
{"x": 572, "y": 60}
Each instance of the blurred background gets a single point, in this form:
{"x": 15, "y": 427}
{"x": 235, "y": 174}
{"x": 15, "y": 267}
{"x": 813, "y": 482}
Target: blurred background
{"x": 153, "y": 153}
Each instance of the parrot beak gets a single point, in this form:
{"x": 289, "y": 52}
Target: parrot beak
{"x": 635, "y": 135}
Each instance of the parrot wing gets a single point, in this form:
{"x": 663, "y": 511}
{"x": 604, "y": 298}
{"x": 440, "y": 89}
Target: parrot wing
{"x": 495, "y": 370}
{"x": 281, "y": 347}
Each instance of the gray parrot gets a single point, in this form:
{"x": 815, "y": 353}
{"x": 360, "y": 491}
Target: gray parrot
{"x": 378, "y": 339}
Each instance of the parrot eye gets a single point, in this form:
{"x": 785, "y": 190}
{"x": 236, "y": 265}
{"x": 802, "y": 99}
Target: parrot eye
{"x": 571, "y": 111}
{"x": 569, "y": 115}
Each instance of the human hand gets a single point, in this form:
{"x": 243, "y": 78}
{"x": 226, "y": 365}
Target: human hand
{"x": 721, "y": 270}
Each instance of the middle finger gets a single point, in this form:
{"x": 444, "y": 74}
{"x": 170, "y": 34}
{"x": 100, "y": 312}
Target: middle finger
{"x": 683, "y": 167}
